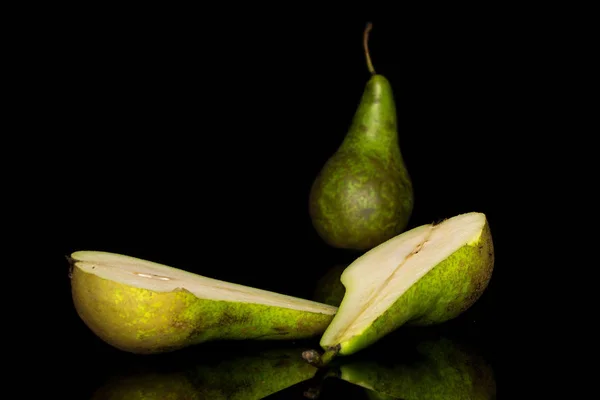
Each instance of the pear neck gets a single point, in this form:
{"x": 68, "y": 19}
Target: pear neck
{"x": 374, "y": 126}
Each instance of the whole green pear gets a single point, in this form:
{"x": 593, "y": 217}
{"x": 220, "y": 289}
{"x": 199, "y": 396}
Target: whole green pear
{"x": 363, "y": 195}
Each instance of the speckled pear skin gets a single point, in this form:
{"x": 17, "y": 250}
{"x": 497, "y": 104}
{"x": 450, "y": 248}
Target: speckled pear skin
{"x": 444, "y": 293}
{"x": 145, "y": 322}
{"x": 246, "y": 377}
{"x": 445, "y": 371}
{"x": 363, "y": 195}
{"x": 329, "y": 288}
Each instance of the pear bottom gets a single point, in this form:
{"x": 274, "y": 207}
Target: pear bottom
{"x": 359, "y": 200}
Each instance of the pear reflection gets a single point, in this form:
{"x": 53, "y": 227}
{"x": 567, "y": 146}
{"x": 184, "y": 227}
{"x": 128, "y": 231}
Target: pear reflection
{"x": 250, "y": 375}
{"x": 438, "y": 369}
{"x": 400, "y": 367}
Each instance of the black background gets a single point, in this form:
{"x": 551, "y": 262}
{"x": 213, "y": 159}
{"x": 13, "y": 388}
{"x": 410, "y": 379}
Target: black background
{"x": 194, "y": 141}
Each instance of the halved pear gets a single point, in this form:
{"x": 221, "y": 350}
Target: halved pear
{"x": 144, "y": 307}
{"x": 424, "y": 276}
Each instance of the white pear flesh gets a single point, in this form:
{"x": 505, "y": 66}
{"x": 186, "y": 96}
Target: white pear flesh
{"x": 146, "y": 307}
{"x": 424, "y": 276}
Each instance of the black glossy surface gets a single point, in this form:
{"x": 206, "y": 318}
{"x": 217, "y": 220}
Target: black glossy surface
{"x": 426, "y": 361}
{"x": 201, "y": 140}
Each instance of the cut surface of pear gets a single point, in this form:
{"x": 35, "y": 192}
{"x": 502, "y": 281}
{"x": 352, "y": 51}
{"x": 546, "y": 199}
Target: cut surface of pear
{"x": 424, "y": 276}
{"x": 146, "y": 307}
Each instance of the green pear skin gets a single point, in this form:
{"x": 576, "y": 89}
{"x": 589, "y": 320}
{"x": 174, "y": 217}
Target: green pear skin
{"x": 443, "y": 293}
{"x": 246, "y": 377}
{"x": 363, "y": 195}
{"x": 329, "y": 289}
{"x": 445, "y": 371}
{"x": 143, "y": 321}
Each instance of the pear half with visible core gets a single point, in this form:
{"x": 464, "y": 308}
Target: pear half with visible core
{"x": 144, "y": 307}
{"x": 424, "y": 276}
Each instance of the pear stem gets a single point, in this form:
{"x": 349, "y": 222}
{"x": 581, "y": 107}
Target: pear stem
{"x": 366, "y": 46}
{"x": 318, "y": 360}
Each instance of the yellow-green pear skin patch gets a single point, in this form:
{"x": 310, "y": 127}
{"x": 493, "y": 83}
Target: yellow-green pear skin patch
{"x": 142, "y": 321}
{"x": 443, "y": 293}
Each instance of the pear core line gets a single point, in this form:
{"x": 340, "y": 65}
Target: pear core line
{"x": 378, "y": 294}
{"x": 162, "y": 278}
